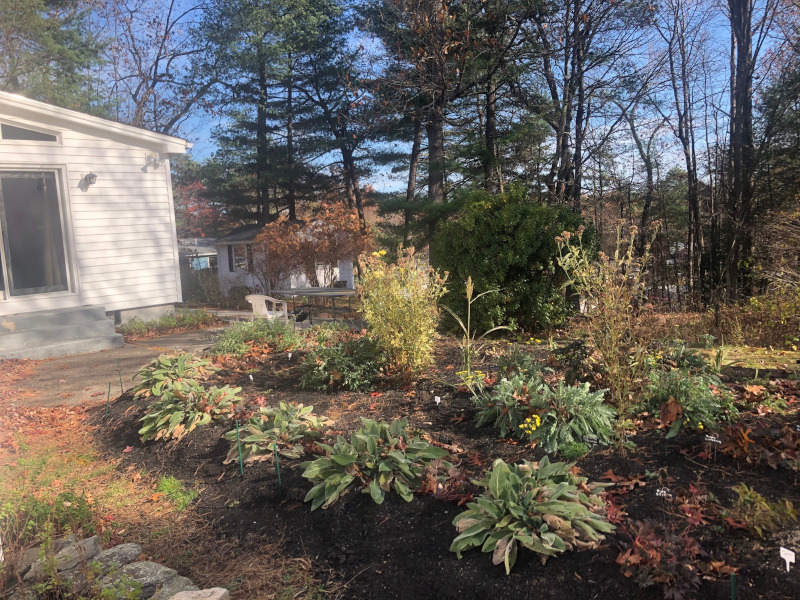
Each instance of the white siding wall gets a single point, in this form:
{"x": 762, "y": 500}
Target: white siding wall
{"x": 121, "y": 233}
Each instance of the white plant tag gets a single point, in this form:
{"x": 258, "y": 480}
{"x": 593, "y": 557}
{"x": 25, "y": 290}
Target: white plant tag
{"x": 713, "y": 439}
{"x": 251, "y": 378}
{"x": 663, "y": 492}
{"x": 438, "y": 400}
{"x": 290, "y": 356}
{"x": 788, "y": 556}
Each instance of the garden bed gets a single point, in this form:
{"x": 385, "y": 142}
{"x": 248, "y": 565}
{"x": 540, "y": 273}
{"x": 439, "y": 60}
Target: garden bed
{"x": 400, "y": 550}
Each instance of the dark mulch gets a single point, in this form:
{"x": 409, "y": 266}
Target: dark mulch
{"x": 400, "y": 550}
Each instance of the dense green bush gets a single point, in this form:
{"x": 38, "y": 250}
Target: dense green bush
{"x": 686, "y": 400}
{"x": 351, "y": 363}
{"x": 505, "y": 242}
{"x": 261, "y": 332}
{"x": 190, "y": 319}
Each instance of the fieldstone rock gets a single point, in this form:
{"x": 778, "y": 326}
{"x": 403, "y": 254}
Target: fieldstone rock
{"x": 179, "y": 584}
{"x": 209, "y": 594}
{"x": 23, "y": 593}
{"x": 81, "y": 552}
{"x": 31, "y": 555}
{"x": 149, "y": 575}
{"x": 117, "y": 557}
{"x": 26, "y": 560}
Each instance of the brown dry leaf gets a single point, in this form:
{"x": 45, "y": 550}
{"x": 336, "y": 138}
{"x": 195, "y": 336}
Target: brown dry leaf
{"x": 136, "y": 477}
{"x": 671, "y": 411}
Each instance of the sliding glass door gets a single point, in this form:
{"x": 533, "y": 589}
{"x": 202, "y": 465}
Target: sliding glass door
{"x": 32, "y": 254}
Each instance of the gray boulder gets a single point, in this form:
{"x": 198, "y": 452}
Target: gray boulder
{"x": 209, "y": 594}
{"x": 149, "y": 575}
{"x": 177, "y": 585}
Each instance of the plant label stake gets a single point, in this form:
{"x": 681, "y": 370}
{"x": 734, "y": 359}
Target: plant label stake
{"x": 239, "y": 445}
{"x": 438, "y": 400}
{"x": 2, "y": 558}
{"x": 290, "y": 356}
{"x": 119, "y": 372}
{"x": 277, "y": 465}
{"x": 251, "y": 378}
{"x": 663, "y": 492}
{"x": 590, "y": 439}
{"x": 108, "y": 398}
{"x": 714, "y": 441}
{"x": 788, "y": 556}
{"x": 733, "y": 586}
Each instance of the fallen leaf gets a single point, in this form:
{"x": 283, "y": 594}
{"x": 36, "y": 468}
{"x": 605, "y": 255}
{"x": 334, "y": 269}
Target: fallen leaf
{"x": 128, "y": 449}
{"x": 376, "y": 394}
{"x": 136, "y": 477}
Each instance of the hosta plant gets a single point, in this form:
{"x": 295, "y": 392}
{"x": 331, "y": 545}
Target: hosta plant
{"x": 284, "y": 428}
{"x": 377, "y": 458}
{"x": 161, "y": 372}
{"x": 569, "y": 414}
{"x": 545, "y": 508}
{"x": 185, "y": 405}
{"x": 509, "y": 403}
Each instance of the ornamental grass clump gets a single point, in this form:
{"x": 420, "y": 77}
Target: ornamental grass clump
{"x": 282, "y": 429}
{"x": 377, "y": 458}
{"x": 543, "y": 507}
{"x": 400, "y": 307}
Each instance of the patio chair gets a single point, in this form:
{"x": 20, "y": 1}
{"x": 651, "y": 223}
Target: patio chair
{"x": 261, "y": 307}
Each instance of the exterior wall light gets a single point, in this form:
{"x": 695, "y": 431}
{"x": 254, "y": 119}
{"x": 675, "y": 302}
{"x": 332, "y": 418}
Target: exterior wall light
{"x": 89, "y": 179}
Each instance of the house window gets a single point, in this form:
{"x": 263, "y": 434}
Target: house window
{"x": 240, "y": 258}
{"x": 12, "y": 132}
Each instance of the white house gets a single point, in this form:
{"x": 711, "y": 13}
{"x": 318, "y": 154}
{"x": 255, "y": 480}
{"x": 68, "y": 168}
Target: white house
{"x": 86, "y": 219}
{"x": 235, "y": 260}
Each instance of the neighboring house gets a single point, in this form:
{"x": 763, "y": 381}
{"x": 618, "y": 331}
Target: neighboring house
{"x": 87, "y": 227}
{"x": 198, "y": 253}
{"x": 235, "y": 260}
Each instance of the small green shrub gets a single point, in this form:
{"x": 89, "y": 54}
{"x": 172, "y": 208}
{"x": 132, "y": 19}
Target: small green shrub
{"x": 165, "y": 370}
{"x": 260, "y": 332}
{"x": 185, "y": 405}
{"x": 570, "y": 413}
{"x": 285, "y": 428}
{"x": 760, "y": 515}
{"x": 574, "y": 451}
{"x": 530, "y": 409}
{"x": 694, "y": 401}
{"x": 176, "y": 492}
{"x": 509, "y": 403}
{"x": 676, "y": 354}
{"x": 324, "y": 334}
{"x": 518, "y": 361}
{"x": 29, "y": 520}
{"x": 352, "y": 363}
{"x": 544, "y": 508}
{"x": 400, "y": 308}
{"x": 378, "y": 457}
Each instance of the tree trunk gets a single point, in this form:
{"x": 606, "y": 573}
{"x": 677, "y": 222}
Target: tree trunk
{"x": 435, "y": 130}
{"x": 411, "y": 188}
{"x": 290, "y": 166}
{"x": 491, "y": 181}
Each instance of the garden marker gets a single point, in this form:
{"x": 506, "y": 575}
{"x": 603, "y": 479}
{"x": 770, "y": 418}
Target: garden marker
{"x": 733, "y": 586}
{"x": 277, "y": 465}
{"x": 251, "y": 378}
{"x": 121, "y": 389}
{"x": 438, "y": 400}
{"x": 290, "y": 356}
{"x": 108, "y": 398}
{"x": 239, "y": 445}
{"x": 788, "y": 556}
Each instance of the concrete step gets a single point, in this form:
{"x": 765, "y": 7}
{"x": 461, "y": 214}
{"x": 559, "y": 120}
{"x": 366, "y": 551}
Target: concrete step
{"x": 66, "y": 348}
{"x": 48, "y": 319}
{"x": 21, "y": 339}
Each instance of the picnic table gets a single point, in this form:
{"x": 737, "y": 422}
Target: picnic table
{"x": 316, "y": 292}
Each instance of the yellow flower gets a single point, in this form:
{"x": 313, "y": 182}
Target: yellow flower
{"x": 382, "y": 253}
{"x": 699, "y": 425}
{"x": 375, "y": 254}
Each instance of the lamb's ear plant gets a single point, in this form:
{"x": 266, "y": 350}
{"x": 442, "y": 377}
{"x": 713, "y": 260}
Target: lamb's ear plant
{"x": 286, "y": 427}
{"x": 470, "y": 345}
{"x": 543, "y": 507}
{"x": 378, "y": 457}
